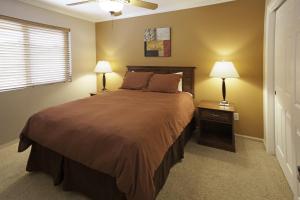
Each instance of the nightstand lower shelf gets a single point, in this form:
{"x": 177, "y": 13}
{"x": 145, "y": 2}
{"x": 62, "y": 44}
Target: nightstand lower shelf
{"x": 217, "y": 135}
{"x": 216, "y": 140}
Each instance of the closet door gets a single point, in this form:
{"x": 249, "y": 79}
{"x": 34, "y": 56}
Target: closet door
{"x": 296, "y": 97}
{"x": 287, "y": 98}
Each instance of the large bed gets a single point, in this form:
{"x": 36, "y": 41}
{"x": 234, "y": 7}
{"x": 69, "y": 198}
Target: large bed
{"x": 114, "y": 146}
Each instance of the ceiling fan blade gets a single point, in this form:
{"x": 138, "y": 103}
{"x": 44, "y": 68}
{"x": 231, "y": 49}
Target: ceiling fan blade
{"x": 78, "y": 3}
{"x": 116, "y": 14}
{"x": 143, "y": 4}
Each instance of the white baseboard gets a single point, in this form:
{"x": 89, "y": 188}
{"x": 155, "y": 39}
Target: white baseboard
{"x": 2, "y": 146}
{"x": 250, "y": 138}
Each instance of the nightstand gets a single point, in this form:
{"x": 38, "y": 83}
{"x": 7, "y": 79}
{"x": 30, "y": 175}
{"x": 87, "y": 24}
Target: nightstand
{"x": 216, "y": 125}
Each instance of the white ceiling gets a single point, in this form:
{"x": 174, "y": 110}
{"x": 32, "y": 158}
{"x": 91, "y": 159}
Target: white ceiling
{"x": 92, "y": 12}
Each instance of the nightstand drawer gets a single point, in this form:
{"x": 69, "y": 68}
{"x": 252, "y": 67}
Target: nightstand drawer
{"x": 217, "y": 116}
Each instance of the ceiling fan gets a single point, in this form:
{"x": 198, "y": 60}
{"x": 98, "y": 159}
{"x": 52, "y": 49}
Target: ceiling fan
{"x": 114, "y": 7}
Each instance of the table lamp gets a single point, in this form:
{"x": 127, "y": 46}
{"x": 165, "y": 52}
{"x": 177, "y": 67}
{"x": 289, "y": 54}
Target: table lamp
{"x": 103, "y": 67}
{"x": 223, "y": 70}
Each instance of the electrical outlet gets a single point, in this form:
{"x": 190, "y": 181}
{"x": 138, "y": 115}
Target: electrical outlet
{"x": 236, "y": 116}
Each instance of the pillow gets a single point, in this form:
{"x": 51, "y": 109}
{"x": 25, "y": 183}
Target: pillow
{"x": 136, "y": 80}
{"x": 180, "y": 82}
{"x": 164, "y": 83}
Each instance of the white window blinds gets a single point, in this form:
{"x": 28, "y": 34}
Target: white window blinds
{"x": 32, "y": 54}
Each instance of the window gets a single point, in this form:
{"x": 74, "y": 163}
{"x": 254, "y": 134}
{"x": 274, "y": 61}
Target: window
{"x": 32, "y": 54}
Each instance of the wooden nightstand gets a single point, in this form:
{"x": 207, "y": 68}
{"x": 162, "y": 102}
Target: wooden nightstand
{"x": 216, "y": 125}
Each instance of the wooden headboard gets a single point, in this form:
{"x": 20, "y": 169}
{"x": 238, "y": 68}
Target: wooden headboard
{"x": 187, "y": 78}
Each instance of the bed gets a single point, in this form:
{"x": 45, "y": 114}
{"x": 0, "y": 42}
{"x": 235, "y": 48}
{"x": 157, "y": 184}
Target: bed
{"x": 115, "y": 146}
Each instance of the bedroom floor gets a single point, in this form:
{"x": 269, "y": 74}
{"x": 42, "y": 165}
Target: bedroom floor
{"x": 204, "y": 174}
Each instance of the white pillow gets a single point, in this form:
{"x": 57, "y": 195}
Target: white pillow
{"x": 180, "y": 82}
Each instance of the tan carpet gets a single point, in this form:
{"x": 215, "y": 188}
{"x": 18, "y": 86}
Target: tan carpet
{"x": 204, "y": 174}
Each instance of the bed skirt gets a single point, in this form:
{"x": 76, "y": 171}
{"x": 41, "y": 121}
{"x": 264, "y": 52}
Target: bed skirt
{"x": 96, "y": 185}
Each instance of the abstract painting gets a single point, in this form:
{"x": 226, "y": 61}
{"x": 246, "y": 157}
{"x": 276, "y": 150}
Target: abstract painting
{"x": 157, "y": 42}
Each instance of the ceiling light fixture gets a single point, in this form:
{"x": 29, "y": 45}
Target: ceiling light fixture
{"x": 111, "y": 5}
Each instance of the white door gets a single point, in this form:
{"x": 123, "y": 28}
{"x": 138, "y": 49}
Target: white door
{"x": 287, "y": 86}
{"x": 296, "y": 97}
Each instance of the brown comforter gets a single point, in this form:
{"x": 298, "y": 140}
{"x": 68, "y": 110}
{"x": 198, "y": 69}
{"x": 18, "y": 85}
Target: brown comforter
{"x": 123, "y": 133}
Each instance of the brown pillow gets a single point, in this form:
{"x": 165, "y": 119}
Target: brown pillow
{"x": 136, "y": 80}
{"x": 164, "y": 83}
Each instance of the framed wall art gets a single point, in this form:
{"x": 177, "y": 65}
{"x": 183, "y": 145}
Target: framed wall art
{"x": 157, "y": 42}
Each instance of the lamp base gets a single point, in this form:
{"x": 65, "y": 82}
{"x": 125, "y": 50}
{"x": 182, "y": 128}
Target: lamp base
{"x": 224, "y": 103}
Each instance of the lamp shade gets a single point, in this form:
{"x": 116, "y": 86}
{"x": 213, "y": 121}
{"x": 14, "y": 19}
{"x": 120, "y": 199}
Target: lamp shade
{"x": 103, "y": 67}
{"x": 224, "y": 69}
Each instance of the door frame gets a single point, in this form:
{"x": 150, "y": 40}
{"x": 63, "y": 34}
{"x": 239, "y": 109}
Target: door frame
{"x": 268, "y": 75}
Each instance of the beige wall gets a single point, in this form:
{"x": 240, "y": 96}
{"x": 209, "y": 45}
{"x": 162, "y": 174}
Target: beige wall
{"x": 17, "y": 106}
{"x": 200, "y": 36}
